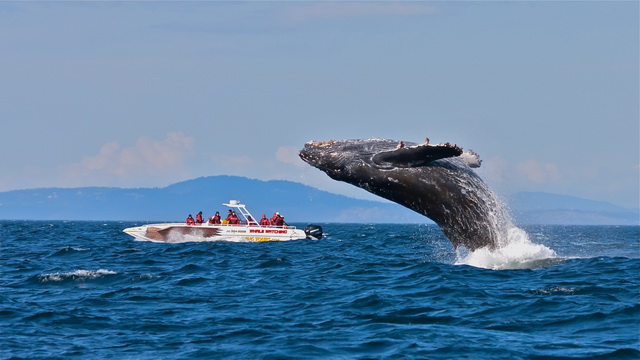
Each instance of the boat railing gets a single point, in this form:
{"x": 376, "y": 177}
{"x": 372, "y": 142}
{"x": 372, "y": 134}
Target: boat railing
{"x": 242, "y": 209}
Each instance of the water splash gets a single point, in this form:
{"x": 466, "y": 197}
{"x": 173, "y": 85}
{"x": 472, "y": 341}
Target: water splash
{"x": 516, "y": 251}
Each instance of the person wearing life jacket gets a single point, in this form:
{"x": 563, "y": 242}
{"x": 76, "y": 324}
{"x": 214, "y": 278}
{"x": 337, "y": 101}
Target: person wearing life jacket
{"x": 233, "y": 218}
{"x": 190, "y": 220}
{"x": 215, "y": 219}
{"x": 279, "y": 222}
{"x": 264, "y": 220}
{"x": 274, "y": 218}
{"x": 199, "y": 219}
{"x": 250, "y": 220}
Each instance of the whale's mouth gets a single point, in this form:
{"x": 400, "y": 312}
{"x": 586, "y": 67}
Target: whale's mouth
{"x": 310, "y": 154}
{"x": 326, "y": 157}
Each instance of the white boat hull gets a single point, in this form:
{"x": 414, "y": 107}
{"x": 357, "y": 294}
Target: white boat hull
{"x": 180, "y": 232}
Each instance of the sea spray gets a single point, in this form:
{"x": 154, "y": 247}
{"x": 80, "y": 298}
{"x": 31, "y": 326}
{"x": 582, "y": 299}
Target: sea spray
{"x": 515, "y": 252}
{"x": 514, "y": 249}
{"x": 78, "y": 275}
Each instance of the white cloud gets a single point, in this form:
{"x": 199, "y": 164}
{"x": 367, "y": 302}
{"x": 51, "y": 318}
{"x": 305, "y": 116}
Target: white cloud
{"x": 289, "y": 155}
{"x": 538, "y": 172}
{"x": 144, "y": 159}
{"x": 495, "y": 170}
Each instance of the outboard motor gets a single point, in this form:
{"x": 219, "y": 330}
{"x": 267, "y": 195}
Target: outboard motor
{"x": 314, "y": 232}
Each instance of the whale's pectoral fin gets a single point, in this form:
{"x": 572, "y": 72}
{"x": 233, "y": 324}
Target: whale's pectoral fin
{"x": 415, "y": 156}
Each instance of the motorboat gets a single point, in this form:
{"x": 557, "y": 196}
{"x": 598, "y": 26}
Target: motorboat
{"x": 248, "y": 230}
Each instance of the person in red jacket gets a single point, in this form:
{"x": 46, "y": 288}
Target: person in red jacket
{"x": 190, "y": 220}
{"x": 199, "y": 219}
{"x": 279, "y": 221}
{"x": 233, "y": 218}
{"x": 264, "y": 220}
{"x": 215, "y": 219}
{"x": 274, "y": 218}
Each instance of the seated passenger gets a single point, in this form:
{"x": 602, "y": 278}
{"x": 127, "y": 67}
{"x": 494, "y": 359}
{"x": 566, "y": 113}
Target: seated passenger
{"x": 250, "y": 220}
{"x": 264, "y": 220}
{"x": 233, "y": 219}
{"x": 190, "y": 220}
{"x": 215, "y": 219}
{"x": 199, "y": 219}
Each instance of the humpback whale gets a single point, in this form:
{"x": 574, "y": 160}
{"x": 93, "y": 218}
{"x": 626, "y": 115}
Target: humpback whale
{"x": 437, "y": 181}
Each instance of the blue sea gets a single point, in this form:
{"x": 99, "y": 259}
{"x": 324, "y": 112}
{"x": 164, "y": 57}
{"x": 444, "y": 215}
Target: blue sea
{"x": 86, "y": 290}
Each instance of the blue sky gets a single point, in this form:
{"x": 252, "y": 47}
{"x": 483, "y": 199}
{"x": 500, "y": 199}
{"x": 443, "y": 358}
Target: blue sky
{"x": 145, "y": 94}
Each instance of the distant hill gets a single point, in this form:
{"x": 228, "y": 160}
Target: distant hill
{"x": 545, "y": 208}
{"x": 297, "y": 202}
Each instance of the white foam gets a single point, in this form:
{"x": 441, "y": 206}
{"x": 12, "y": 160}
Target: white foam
{"x": 77, "y": 275}
{"x": 517, "y": 252}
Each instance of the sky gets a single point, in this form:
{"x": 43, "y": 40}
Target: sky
{"x": 149, "y": 93}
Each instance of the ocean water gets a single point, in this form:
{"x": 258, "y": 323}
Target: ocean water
{"x": 85, "y": 290}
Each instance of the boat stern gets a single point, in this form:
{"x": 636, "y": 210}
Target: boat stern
{"x": 313, "y": 232}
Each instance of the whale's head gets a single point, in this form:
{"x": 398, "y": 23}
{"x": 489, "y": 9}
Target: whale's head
{"x": 351, "y": 160}
{"x": 343, "y": 159}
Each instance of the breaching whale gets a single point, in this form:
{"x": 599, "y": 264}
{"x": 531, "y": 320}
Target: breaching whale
{"x": 436, "y": 181}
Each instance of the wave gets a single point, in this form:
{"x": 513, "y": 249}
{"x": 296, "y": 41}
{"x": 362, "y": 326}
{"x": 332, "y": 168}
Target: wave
{"x": 78, "y": 275}
{"x": 69, "y": 250}
{"x": 517, "y": 252}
